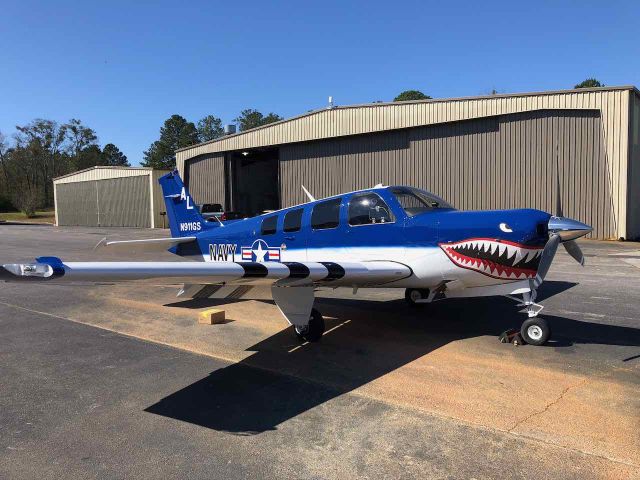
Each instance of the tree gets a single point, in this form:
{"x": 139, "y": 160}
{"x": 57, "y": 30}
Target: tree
{"x": 411, "y": 95}
{"x": 88, "y": 157}
{"x": 209, "y": 128}
{"x": 250, "y": 118}
{"x": 45, "y": 140}
{"x": 176, "y": 133}
{"x": 589, "y": 83}
{"x": 79, "y": 137}
{"x": 113, "y": 157}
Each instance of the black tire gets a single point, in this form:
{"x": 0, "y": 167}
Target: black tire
{"x": 413, "y": 294}
{"x": 535, "y": 331}
{"x": 315, "y": 329}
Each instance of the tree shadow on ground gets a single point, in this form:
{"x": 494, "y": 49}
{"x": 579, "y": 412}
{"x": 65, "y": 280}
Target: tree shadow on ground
{"x": 364, "y": 341}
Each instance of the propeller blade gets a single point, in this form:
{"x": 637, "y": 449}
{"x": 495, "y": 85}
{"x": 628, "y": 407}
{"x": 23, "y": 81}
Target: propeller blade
{"x": 574, "y": 250}
{"x": 547, "y": 257}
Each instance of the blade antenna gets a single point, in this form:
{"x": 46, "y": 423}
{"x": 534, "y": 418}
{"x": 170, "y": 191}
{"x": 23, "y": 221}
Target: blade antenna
{"x": 309, "y": 196}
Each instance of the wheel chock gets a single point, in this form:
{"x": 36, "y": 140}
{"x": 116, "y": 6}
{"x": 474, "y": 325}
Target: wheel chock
{"x": 511, "y": 336}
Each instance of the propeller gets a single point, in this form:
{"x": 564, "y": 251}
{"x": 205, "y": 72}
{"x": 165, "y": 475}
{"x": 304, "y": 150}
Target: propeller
{"x": 561, "y": 230}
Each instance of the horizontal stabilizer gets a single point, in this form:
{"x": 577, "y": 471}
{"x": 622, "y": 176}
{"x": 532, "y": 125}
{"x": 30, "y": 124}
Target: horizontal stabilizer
{"x": 144, "y": 245}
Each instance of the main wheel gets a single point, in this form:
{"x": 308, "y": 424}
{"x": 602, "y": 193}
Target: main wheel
{"x": 412, "y": 295}
{"x": 535, "y": 331}
{"x": 312, "y": 332}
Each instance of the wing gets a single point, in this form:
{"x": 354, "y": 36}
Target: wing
{"x": 210, "y": 273}
{"x": 236, "y": 277}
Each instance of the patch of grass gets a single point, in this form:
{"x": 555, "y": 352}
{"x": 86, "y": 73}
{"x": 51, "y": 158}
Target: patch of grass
{"x": 41, "y": 216}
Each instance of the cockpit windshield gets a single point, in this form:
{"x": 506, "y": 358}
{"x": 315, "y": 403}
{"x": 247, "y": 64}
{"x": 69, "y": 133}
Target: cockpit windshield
{"x": 415, "y": 201}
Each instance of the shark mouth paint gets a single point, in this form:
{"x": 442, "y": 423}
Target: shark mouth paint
{"x": 495, "y": 258}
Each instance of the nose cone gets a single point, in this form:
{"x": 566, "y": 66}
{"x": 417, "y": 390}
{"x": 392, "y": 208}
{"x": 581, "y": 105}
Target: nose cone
{"x": 567, "y": 228}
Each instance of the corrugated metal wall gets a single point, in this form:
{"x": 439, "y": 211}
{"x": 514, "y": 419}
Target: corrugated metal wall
{"x": 124, "y": 202}
{"x": 158, "y": 200}
{"x": 118, "y": 202}
{"x": 633, "y": 212}
{"x": 206, "y": 179}
{"x": 497, "y": 162}
{"x": 77, "y": 203}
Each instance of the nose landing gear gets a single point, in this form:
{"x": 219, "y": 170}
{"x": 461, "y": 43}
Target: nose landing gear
{"x": 534, "y": 330}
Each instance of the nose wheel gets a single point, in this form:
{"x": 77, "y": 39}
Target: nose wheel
{"x": 314, "y": 330}
{"x": 535, "y": 331}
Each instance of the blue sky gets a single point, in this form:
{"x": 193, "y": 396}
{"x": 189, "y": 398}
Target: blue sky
{"x": 124, "y": 67}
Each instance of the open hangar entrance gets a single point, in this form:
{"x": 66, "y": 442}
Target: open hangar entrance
{"x": 252, "y": 178}
{"x": 242, "y": 181}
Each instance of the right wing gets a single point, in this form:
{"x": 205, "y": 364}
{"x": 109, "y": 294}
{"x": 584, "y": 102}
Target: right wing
{"x": 211, "y": 273}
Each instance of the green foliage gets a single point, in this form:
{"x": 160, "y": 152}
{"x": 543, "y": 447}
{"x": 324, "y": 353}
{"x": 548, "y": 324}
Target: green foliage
{"x": 41, "y": 151}
{"x": 411, "y": 95}
{"x": 176, "y": 133}
{"x": 209, "y": 128}
{"x": 250, "y": 118}
{"x": 113, "y": 157}
{"x": 589, "y": 83}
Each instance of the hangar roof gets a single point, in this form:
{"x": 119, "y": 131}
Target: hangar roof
{"x": 375, "y": 117}
{"x": 104, "y": 173}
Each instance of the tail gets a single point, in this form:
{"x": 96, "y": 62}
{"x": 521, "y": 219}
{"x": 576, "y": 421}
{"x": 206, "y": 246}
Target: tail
{"x": 183, "y": 215}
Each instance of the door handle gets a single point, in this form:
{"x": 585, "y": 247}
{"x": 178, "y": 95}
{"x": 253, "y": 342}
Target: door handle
{"x": 290, "y": 237}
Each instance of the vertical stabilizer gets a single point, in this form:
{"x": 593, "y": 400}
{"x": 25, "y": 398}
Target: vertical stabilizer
{"x": 183, "y": 214}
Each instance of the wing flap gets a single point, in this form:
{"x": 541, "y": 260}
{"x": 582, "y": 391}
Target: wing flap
{"x": 144, "y": 245}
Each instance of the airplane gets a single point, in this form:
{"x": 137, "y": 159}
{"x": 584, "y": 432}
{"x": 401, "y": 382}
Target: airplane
{"x": 380, "y": 237}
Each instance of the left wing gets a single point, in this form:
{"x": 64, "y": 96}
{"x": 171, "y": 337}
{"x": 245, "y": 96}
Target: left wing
{"x": 203, "y": 273}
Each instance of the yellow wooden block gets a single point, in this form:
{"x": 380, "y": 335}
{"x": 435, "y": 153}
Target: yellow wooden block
{"x": 211, "y": 316}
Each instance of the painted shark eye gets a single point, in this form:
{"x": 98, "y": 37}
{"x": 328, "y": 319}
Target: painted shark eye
{"x": 505, "y": 228}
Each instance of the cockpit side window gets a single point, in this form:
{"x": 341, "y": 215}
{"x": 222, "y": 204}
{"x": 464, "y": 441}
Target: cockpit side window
{"x": 269, "y": 225}
{"x": 368, "y": 209}
{"x": 326, "y": 214}
{"x": 415, "y": 201}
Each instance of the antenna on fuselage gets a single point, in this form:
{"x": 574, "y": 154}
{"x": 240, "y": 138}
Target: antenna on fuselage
{"x": 306, "y": 192}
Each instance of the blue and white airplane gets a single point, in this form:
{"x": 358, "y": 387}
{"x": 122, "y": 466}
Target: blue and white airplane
{"x": 385, "y": 236}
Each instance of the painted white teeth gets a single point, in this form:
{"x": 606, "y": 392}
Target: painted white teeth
{"x": 520, "y": 254}
{"x": 494, "y": 246}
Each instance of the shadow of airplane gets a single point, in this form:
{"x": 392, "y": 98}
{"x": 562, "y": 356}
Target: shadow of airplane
{"x": 364, "y": 341}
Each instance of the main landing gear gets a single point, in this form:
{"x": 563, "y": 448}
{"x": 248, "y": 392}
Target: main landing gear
{"x": 314, "y": 330}
{"x": 416, "y": 297}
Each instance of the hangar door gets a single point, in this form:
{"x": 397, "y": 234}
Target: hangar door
{"x": 116, "y": 202}
{"x": 77, "y": 204}
{"x": 124, "y": 202}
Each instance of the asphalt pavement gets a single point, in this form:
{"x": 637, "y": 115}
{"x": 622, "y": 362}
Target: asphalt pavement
{"x": 121, "y": 382}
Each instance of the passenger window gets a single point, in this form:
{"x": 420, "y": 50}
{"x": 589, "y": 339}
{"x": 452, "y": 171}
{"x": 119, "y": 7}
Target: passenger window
{"x": 367, "y": 209}
{"x": 269, "y": 225}
{"x": 326, "y": 214}
{"x": 293, "y": 220}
